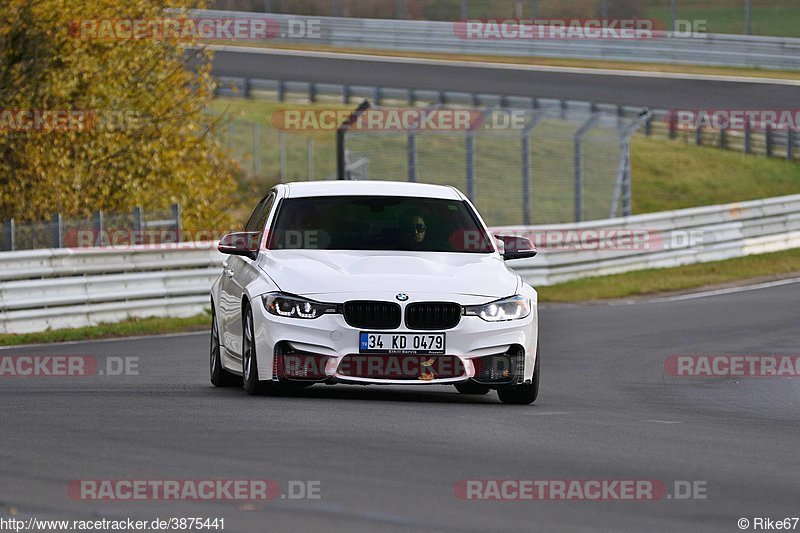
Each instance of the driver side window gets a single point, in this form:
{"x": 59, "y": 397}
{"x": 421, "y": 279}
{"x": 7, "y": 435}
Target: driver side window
{"x": 260, "y": 214}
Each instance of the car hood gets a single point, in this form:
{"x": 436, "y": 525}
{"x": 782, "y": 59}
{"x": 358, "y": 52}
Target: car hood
{"x": 313, "y": 272}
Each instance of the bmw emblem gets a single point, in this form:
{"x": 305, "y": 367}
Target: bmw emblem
{"x": 402, "y": 297}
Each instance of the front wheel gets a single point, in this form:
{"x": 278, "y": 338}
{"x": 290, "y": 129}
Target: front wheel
{"x": 523, "y": 394}
{"x": 249, "y": 358}
{"x": 219, "y": 376}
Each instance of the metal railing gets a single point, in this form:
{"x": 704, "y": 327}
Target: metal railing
{"x": 443, "y": 37}
{"x": 58, "y": 288}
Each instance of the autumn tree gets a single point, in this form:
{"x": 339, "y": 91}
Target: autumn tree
{"x": 140, "y": 134}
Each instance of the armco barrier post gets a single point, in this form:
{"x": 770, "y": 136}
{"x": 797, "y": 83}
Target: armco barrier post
{"x": 768, "y": 140}
{"x": 790, "y": 135}
{"x": 748, "y": 139}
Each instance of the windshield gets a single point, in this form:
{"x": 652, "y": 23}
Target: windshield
{"x": 378, "y": 223}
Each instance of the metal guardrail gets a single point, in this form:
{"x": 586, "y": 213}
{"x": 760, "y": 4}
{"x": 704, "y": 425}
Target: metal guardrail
{"x": 681, "y": 237}
{"x": 69, "y": 287}
{"x": 58, "y": 288}
{"x": 442, "y": 37}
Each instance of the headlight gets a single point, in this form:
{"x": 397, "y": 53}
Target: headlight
{"x": 511, "y": 308}
{"x": 294, "y": 307}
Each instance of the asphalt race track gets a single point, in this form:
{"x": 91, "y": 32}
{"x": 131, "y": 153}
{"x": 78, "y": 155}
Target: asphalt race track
{"x": 657, "y": 92}
{"x": 387, "y": 459}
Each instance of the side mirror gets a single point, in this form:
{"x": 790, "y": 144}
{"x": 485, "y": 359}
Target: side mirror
{"x": 515, "y": 247}
{"x": 243, "y": 243}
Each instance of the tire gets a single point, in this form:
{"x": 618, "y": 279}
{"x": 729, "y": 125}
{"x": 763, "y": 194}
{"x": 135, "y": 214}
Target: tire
{"x": 470, "y": 387}
{"x": 219, "y": 376}
{"x": 523, "y": 394}
{"x": 249, "y": 357}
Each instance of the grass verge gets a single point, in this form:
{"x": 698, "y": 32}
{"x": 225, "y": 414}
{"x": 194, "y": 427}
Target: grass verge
{"x": 126, "y": 328}
{"x": 663, "y": 280}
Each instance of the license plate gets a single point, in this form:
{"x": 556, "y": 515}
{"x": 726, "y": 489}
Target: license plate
{"x": 409, "y": 343}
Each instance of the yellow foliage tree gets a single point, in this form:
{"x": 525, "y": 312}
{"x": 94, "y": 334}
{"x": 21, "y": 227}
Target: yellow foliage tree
{"x": 140, "y": 134}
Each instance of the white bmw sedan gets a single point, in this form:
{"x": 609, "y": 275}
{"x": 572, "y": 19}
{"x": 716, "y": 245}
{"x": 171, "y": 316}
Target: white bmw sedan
{"x": 373, "y": 282}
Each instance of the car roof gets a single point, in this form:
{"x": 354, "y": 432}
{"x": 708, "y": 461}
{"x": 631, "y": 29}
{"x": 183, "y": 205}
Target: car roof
{"x": 370, "y": 188}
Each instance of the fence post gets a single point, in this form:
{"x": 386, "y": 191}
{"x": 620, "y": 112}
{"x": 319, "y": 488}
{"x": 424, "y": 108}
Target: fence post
{"x": 345, "y": 94}
{"x": 341, "y": 164}
{"x": 175, "y": 209}
{"x": 790, "y": 134}
{"x": 256, "y": 149}
{"x": 310, "y": 157}
{"x": 378, "y": 95}
{"x": 526, "y": 176}
{"x": 464, "y": 9}
{"x": 470, "y": 156}
{"x": 246, "y": 88}
{"x": 400, "y": 9}
{"x": 411, "y": 154}
{"x": 723, "y": 143}
{"x": 335, "y": 8}
{"x": 748, "y": 12}
{"x": 58, "y": 231}
{"x": 138, "y": 226}
{"x": 578, "y": 164}
{"x": 98, "y": 225}
{"x": 9, "y": 234}
{"x": 674, "y": 14}
{"x": 282, "y": 153}
{"x": 622, "y": 190}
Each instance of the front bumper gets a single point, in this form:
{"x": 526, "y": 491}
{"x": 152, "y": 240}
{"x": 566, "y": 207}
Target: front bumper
{"x": 331, "y": 340}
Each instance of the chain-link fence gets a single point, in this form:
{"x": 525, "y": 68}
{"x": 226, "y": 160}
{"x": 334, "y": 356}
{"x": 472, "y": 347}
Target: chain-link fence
{"x": 136, "y": 227}
{"x": 779, "y": 18}
{"x": 552, "y": 166}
